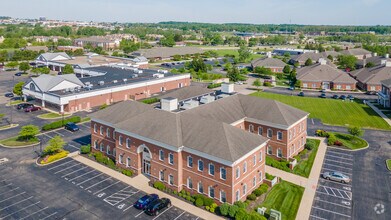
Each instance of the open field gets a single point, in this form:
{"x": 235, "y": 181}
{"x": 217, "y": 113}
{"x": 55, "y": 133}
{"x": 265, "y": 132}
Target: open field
{"x": 333, "y": 112}
{"x": 284, "y": 197}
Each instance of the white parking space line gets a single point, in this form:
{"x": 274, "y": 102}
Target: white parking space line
{"x": 73, "y": 172}
{"x": 106, "y": 187}
{"x": 20, "y": 210}
{"x": 98, "y": 183}
{"x": 330, "y": 181}
{"x": 6, "y": 185}
{"x": 69, "y": 131}
{"x": 330, "y": 195}
{"x": 66, "y": 168}
{"x": 12, "y": 197}
{"x": 89, "y": 179}
{"x": 128, "y": 208}
{"x": 139, "y": 214}
{"x": 313, "y": 216}
{"x": 347, "y": 195}
{"x": 47, "y": 135}
{"x": 82, "y": 175}
{"x": 179, "y": 215}
{"x": 337, "y": 166}
{"x": 34, "y": 213}
{"x": 335, "y": 152}
{"x": 73, "y": 146}
{"x": 85, "y": 126}
{"x": 58, "y": 133}
{"x": 49, "y": 215}
{"x": 161, "y": 213}
{"x": 60, "y": 165}
{"x": 333, "y": 203}
{"x": 343, "y": 158}
{"x": 9, "y": 191}
{"x": 17, "y": 203}
{"x": 326, "y": 210}
{"x": 336, "y": 161}
{"x": 348, "y": 174}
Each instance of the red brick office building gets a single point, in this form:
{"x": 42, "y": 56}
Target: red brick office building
{"x": 207, "y": 149}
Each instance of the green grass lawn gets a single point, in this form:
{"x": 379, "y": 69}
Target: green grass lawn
{"x": 304, "y": 166}
{"x": 350, "y": 141}
{"x": 14, "y": 142}
{"x": 52, "y": 115}
{"x": 224, "y": 52}
{"x": 388, "y": 162}
{"x": 16, "y": 102}
{"x": 284, "y": 197}
{"x": 85, "y": 119}
{"x": 333, "y": 112}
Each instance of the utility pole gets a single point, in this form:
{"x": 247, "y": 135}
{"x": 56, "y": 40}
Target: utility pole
{"x": 13, "y": 79}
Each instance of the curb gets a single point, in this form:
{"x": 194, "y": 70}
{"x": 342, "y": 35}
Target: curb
{"x": 12, "y": 126}
{"x": 60, "y": 128}
{"x": 17, "y": 147}
{"x": 52, "y": 118}
{"x": 70, "y": 155}
{"x": 351, "y": 150}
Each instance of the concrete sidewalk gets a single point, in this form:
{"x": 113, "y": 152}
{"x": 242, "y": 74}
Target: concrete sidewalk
{"x": 309, "y": 184}
{"x": 141, "y": 182}
{"x": 380, "y": 113}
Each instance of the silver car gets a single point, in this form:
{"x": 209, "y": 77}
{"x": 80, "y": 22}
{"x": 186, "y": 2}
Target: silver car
{"x": 336, "y": 176}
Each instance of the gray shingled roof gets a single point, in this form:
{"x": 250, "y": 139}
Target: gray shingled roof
{"x": 47, "y": 82}
{"x": 387, "y": 82}
{"x": 322, "y": 73}
{"x": 268, "y": 62}
{"x": 372, "y": 75}
{"x": 50, "y": 56}
{"x": 187, "y": 92}
{"x": 206, "y": 128}
{"x": 356, "y": 52}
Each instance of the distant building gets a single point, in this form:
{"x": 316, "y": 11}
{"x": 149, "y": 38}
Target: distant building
{"x": 315, "y": 57}
{"x": 384, "y": 95}
{"x": 96, "y": 86}
{"x": 36, "y": 48}
{"x": 108, "y": 42}
{"x": 290, "y": 51}
{"x": 375, "y": 60}
{"x": 164, "y": 53}
{"x": 325, "y": 76}
{"x": 359, "y": 53}
{"x": 369, "y": 79}
{"x": 69, "y": 48}
{"x": 274, "y": 64}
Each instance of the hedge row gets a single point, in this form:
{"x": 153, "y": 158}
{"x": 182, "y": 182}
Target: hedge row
{"x": 282, "y": 165}
{"x": 100, "y": 158}
{"x": 60, "y": 123}
{"x": 150, "y": 100}
{"x": 54, "y": 157}
{"x": 214, "y": 85}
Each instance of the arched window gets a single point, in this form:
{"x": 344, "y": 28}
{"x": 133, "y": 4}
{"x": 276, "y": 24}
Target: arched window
{"x": 95, "y": 128}
{"x": 127, "y": 143}
{"x": 102, "y": 147}
{"x": 108, "y": 150}
{"x": 32, "y": 87}
{"x": 251, "y": 128}
{"x": 108, "y": 132}
{"x": 128, "y": 162}
{"x": 120, "y": 140}
{"x": 96, "y": 144}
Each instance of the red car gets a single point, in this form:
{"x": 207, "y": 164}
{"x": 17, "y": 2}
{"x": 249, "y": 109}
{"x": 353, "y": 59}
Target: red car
{"x": 32, "y": 109}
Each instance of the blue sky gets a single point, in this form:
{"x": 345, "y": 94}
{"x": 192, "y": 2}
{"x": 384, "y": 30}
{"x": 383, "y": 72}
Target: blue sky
{"x": 338, "y": 12}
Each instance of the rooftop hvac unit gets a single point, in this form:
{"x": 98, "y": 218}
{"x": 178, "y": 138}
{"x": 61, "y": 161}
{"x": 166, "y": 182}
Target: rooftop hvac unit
{"x": 190, "y": 104}
{"x": 115, "y": 81}
{"x": 138, "y": 71}
{"x": 101, "y": 83}
{"x": 207, "y": 99}
{"x": 88, "y": 83}
{"x": 125, "y": 80}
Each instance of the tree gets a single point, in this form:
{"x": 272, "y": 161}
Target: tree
{"x": 347, "y": 61}
{"x": 263, "y": 70}
{"x": 234, "y": 75}
{"x": 257, "y": 83}
{"x": 330, "y": 57}
{"x": 68, "y": 69}
{"x": 178, "y": 37}
{"x": 308, "y": 62}
{"x": 370, "y": 65}
{"x": 198, "y": 65}
{"x": 168, "y": 41}
{"x": 287, "y": 69}
{"x": 177, "y": 57}
{"x": 56, "y": 145}
{"x": 18, "y": 89}
{"x": 28, "y": 132}
{"x": 244, "y": 54}
{"x": 24, "y": 66}
{"x": 12, "y": 64}
{"x": 41, "y": 70}
{"x": 297, "y": 83}
{"x": 356, "y": 131}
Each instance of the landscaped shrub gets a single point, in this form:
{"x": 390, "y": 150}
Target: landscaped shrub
{"x": 127, "y": 172}
{"x": 331, "y": 139}
{"x": 257, "y": 192}
{"x": 241, "y": 214}
{"x": 54, "y": 157}
{"x": 208, "y": 201}
{"x": 338, "y": 143}
{"x": 213, "y": 207}
{"x": 192, "y": 199}
{"x": 224, "y": 208}
{"x": 180, "y": 194}
{"x": 322, "y": 133}
{"x": 175, "y": 193}
{"x": 150, "y": 100}
{"x": 199, "y": 202}
{"x": 240, "y": 204}
{"x": 310, "y": 144}
{"x": 188, "y": 198}
{"x": 233, "y": 210}
{"x": 252, "y": 197}
{"x": 282, "y": 165}
{"x": 214, "y": 85}
{"x": 269, "y": 176}
{"x": 85, "y": 149}
{"x": 207, "y": 208}
{"x": 268, "y": 84}
{"x": 159, "y": 185}
{"x": 188, "y": 193}
{"x": 263, "y": 188}
{"x": 60, "y": 123}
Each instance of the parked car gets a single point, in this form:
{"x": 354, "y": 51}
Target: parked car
{"x": 144, "y": 201}
{"x": 323, "y": 90}
{"x": 371, "y": 92}
{"x": 323, "y": 95}
{"x": 18, "y": 74}
{"x": 156, "y": 206}
{"x": 59, "y": 73}
{"x": 9, "y": 94}
{"x": 24, "y": 105}
{"x": 335, "y": 97}
{"x": 350, "y": 97}
{"x": 343, "y": 97}
{"x": 70, "y": 126}
{"x": 32, "y": 108}
{"x": 336, "y": 176}
{"x": 301, "y": 94}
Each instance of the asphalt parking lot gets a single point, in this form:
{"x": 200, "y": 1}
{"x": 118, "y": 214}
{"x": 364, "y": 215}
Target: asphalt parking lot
{"x": 333, "y": 200}
{"x": 106, "y": 192}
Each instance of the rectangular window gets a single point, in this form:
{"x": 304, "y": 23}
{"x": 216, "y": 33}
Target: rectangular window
{"x": 189, "y": 161}
{"x": 254, "y": 181}
{"x": 279, "y": 135}
{"x": 269, "y": 150}
{"x": 161, "y": 175}
{"x": 260, "y": 177}
{"x": 223, "y": 196}
{"x": 211, "y": 192}
{"x": 305, "y": 85}
{"x": 260, "y": 156}
{"x": 95, "y": 128}
{"x": 171, "y": 179}
{"x": 269, "y": 133}
{"x": 254, "y": 160}
{"x": 211, "y": 169}
{"x": 108, "y": 150}
{"x": 200, "y": 188}
{"x": 251, "y": 128}
{"x": 237, "y": 195}
{"x": 171, "y": 158}
{"x": 101, "y": 130}
{"x": 244, "y": 167}
{"x": 223, "y": 173}
{"x": 314, "y": 86}
{"x": 120, "y": 159}
{"x": 128, "y": 162}
{"x": 189, "y": 183}
{"x": 161, "y": 155}
{"x": 260, "y": 130}
{"x": 237, "y": 172}
{"x": 348, "y": 88}
{"x": 200, "y": 165}
{"x": 108, "y": 132}
{"x": 244, "y": 189}
{"x": 339, "y": 87}
{"x": 279, "y": 152}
